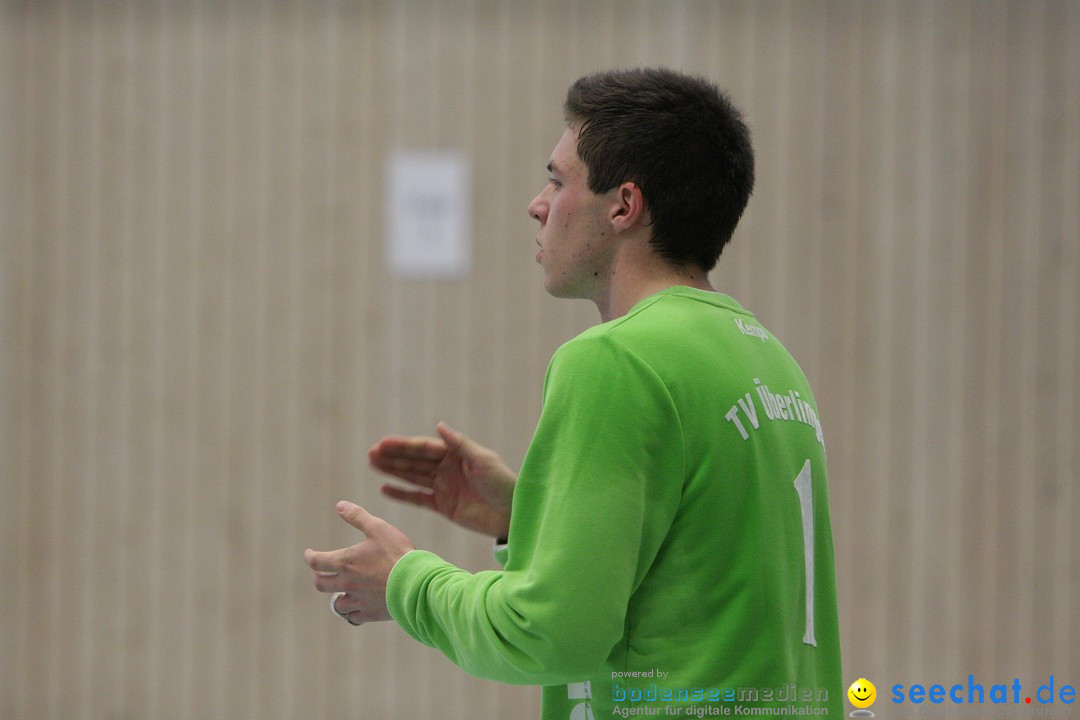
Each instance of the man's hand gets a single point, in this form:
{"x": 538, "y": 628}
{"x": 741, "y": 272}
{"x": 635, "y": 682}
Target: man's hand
{"x": 452, "y": 475}
{"x": 360, "y": 571}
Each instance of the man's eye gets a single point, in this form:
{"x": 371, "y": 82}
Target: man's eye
{"x": 555, "y": 182}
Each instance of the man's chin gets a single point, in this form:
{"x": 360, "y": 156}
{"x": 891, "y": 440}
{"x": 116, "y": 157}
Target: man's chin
{"x": 554, "y": 289}
{"x": 561, "y": 292}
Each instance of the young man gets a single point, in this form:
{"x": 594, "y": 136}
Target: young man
{"x": 667, "y": 544}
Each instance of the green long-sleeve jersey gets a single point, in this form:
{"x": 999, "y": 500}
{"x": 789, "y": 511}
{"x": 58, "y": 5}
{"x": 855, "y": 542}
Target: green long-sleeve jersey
{"x": 670, "y": 548}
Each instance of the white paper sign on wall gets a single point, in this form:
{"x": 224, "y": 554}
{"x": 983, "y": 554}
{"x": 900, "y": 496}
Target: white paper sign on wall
{"x": 429, "y": 196}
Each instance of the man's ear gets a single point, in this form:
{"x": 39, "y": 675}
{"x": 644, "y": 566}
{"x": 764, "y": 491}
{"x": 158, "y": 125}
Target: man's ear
{"x": 627, "y": 208}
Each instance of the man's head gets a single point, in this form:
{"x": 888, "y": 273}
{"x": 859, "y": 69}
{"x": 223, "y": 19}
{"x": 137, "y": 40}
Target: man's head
{"x": 681, "y": 141}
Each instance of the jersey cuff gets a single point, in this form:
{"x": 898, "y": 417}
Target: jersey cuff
{"x": 404, "y": 589}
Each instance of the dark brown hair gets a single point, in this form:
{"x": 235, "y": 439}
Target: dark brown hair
{"x": 681, "y": 141}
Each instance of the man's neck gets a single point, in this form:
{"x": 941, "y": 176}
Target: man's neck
{"x": 631, "y": 282}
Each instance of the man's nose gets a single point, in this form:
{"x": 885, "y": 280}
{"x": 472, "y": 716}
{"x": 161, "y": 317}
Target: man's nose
{"x": 538, "y": 209}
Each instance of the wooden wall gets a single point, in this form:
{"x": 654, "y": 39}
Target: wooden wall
{"x": 200, "y": 338}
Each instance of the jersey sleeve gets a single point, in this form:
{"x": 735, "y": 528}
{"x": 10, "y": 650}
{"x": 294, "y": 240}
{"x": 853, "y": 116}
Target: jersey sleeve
{"x": 597, "y": 492}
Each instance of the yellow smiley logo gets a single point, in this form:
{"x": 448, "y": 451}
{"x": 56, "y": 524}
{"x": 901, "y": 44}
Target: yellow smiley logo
{"x": 862, "y": 693}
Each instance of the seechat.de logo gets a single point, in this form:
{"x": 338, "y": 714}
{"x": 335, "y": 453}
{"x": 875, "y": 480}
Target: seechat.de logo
{"x": 862, "y": 695}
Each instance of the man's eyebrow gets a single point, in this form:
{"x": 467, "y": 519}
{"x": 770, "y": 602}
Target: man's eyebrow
{"x": 552, "y": 168}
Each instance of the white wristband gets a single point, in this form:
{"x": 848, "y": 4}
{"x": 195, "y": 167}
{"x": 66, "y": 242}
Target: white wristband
{"x": 333, "y": 609}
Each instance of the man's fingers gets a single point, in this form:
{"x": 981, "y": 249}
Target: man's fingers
{"x": 456, "y": 440}
{"x": 324, "y": 563}
{"x": 412, "y": 459}
{"x": 328, "y": 583}
{"x": 358, "y": 517}
{"x": 417, "y": 473}
{"x": 409, "y": 448}
{"x": 413, "y": 497}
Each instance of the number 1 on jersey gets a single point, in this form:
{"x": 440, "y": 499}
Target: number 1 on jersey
{"x": 805, "y": 489}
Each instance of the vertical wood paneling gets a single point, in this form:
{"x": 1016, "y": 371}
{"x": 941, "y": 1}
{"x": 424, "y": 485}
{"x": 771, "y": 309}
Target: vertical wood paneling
{"x": 1064, "y": 415}
{"x": 11, "y": 495}
{"x": 199, "y": 339}
{"x": 14, "y": 495}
